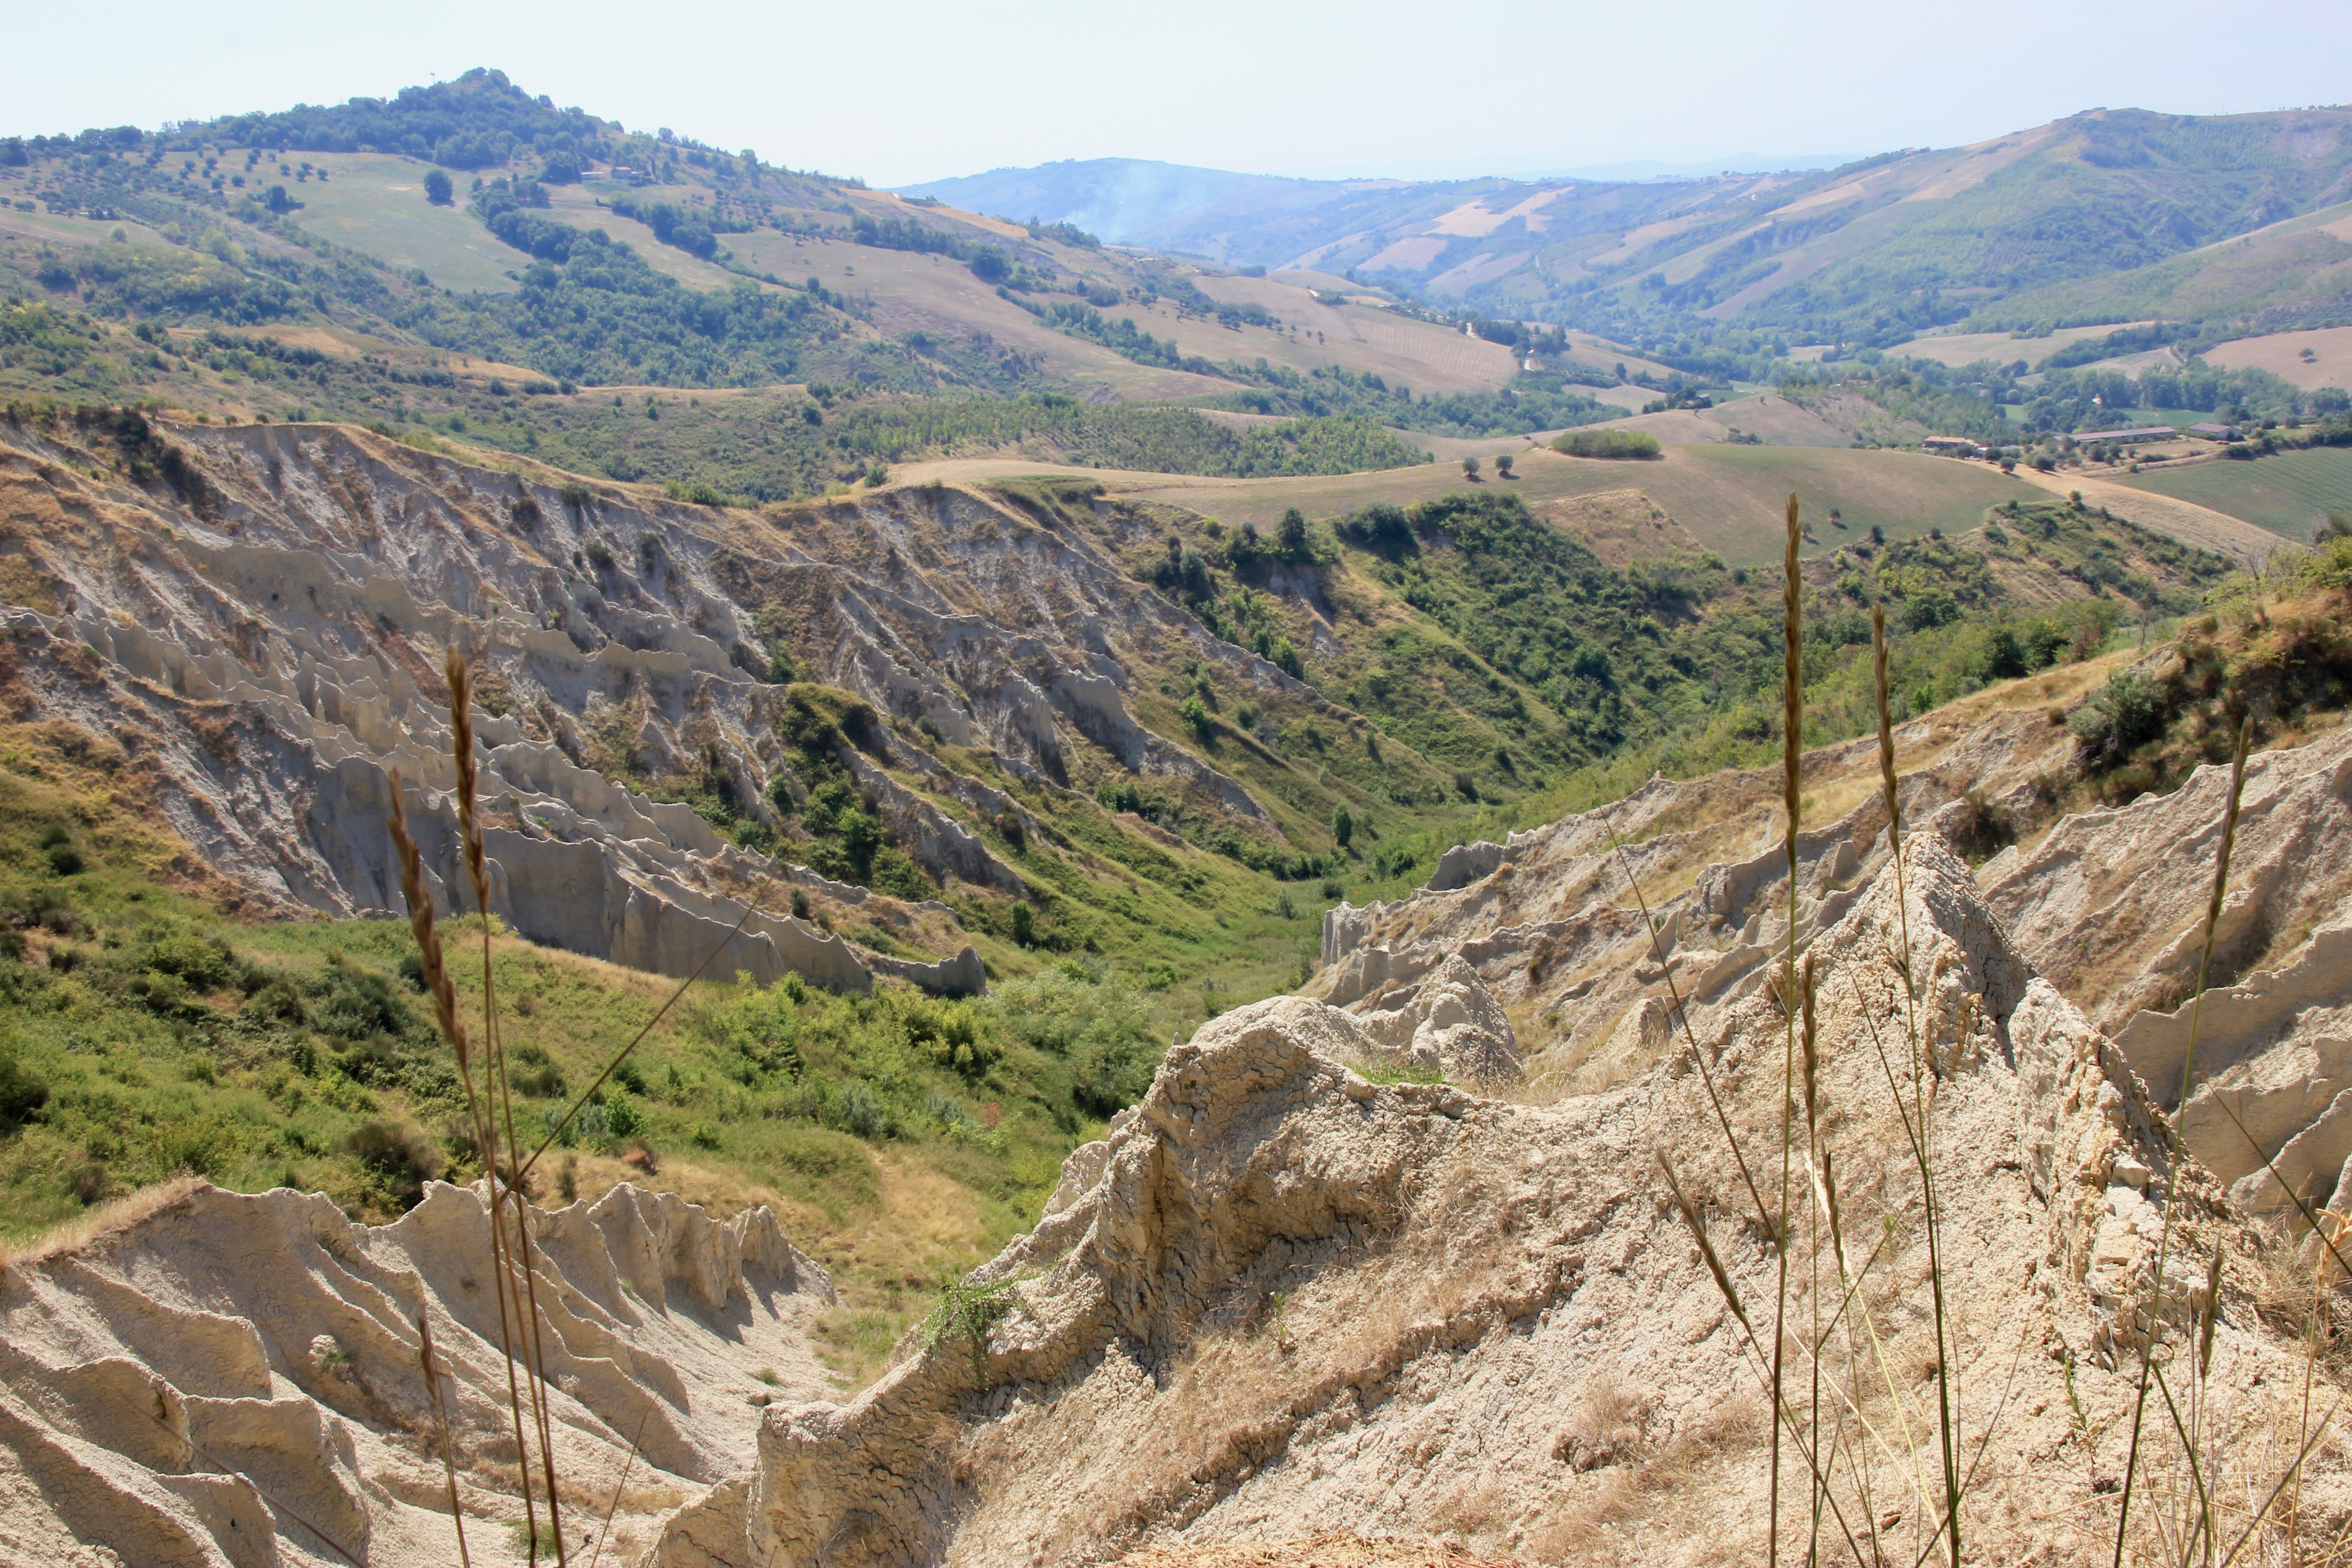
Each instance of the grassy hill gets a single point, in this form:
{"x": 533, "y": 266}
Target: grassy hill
{"x": 2294, "y": 268}
{"x": 713, "y": 268}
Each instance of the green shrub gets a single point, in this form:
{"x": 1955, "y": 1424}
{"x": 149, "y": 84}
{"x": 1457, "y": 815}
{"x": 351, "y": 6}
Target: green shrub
{"x": 204, "y": 964}
{"x": 400, "y": 1157}
{"x": 1635, "y": 445}
{"x": 2119, "y": 716}
{"x": 950, "y": 1035}
{"x": 1089, "y": 1016}
{"x": 623, "y": 1116}
{"x": 23, "y": 1091}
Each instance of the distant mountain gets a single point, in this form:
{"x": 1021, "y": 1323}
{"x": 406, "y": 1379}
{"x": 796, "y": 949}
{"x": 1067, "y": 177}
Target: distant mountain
{"x": 1651, "y": 169}
{"x": 1871, "y": 251}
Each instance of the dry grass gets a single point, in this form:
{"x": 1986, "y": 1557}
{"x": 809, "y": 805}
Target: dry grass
{"x": 97, "y": 1224}
{"x": 1335, "y": 1549}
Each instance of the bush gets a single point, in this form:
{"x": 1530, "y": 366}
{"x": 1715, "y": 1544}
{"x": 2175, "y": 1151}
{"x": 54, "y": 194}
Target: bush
{"x": 949, "y": 1034}
{"x": 2119, "y": 716}
{"x": 1196, "y": 718}
{"x": 400, "y": 1156}
{"x": 23, "y": 1092}
{"x": 1639, "y": 446}
{"x": 1096, "y": 1020}
{"x": 437, "y": 187}
{"x": 622, "y": 1117}
{"x": 204, "y": 966}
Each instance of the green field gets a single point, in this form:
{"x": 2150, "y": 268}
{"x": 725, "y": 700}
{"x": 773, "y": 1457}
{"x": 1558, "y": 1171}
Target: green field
{"x": 1729, "y": 496}
{"x": 2285, "y": 494}
{"x": 376, "y": 204}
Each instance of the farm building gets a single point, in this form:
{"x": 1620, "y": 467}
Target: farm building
{"x": 2145, "y": 433}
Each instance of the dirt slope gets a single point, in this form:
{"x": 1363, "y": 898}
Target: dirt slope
{"x": 235, "y": 1380}
{"x": 1289, "y": 1291}
{"x": 1280, "y": 1296}
{"x": 265, "y": 634}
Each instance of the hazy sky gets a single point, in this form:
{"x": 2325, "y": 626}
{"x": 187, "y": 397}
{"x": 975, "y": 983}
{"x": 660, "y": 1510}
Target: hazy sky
{"x": 904, "y": 91}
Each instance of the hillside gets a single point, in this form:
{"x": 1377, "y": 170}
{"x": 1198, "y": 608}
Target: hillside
{"x": 931, "y": 735}
{"x": 1400, "y": 1255}
{"x": 566, "y": 253}
{"x": 2103, "y": 216}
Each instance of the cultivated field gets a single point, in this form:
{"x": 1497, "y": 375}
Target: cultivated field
{"x": 913, "y": 291}
{"x": 1361, "y": 338}
{"x": 2284, "y": 494}
{"x": 1957, "y": 349}
{"x": 2281, "y": 353}
{"x": 1729, "y": 497}
{"x": 1779, "y": 421}
{"x": 2170, "y": 515}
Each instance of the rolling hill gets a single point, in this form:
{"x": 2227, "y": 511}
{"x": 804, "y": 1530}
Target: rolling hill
{"x": 2011, "y": 229}
{"x": 567, "y": 248}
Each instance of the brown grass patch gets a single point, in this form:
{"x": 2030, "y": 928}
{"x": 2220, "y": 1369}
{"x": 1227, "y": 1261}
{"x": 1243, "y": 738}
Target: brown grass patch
{"x": 105, "y": 1220}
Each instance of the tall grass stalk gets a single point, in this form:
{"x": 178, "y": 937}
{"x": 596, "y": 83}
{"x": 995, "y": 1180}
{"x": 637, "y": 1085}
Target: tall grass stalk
{"x": 1784, "y": 1416}
{"x": 489, "y": 1113}
{"x": 1792, "y": 750}
{"x": 605, "y": 1532}
{"x": 469, "y": 827}
{"x": 444, "y": 991}
{"x": 441, "y": 1427}
{"x": 1768, "y": 1226}
{"x": 2172, "y": 1173}
{"x": 1948, "y": 1434}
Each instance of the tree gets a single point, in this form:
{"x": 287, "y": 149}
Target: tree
{"x": 1024, "y": 923}
{"x": 861, "y": 838}
{"x": 1292, "y": 536}
{"x": 437, "y": 187}
{"x": 991, "y": 265}
{"x": 1503, "y": 465}
{"x": 562, "y": 169}
{"x": 1469, "y": 468}
{"x": 1196, "y": 716}
{"x": 1343, "y": 827}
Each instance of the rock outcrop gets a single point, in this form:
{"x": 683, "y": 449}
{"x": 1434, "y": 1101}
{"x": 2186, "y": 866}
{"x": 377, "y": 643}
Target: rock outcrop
{"x": 1278, "y": 1295}
{"x": 265, "y": 641}
{"x": 235, "y": 1380}
{"x": 1550, "y": 921}
{"x": 1452, "y": 1025}
{"x": 2112, "y": 903}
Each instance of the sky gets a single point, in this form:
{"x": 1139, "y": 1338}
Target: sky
{"x": 900, "y": 91}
